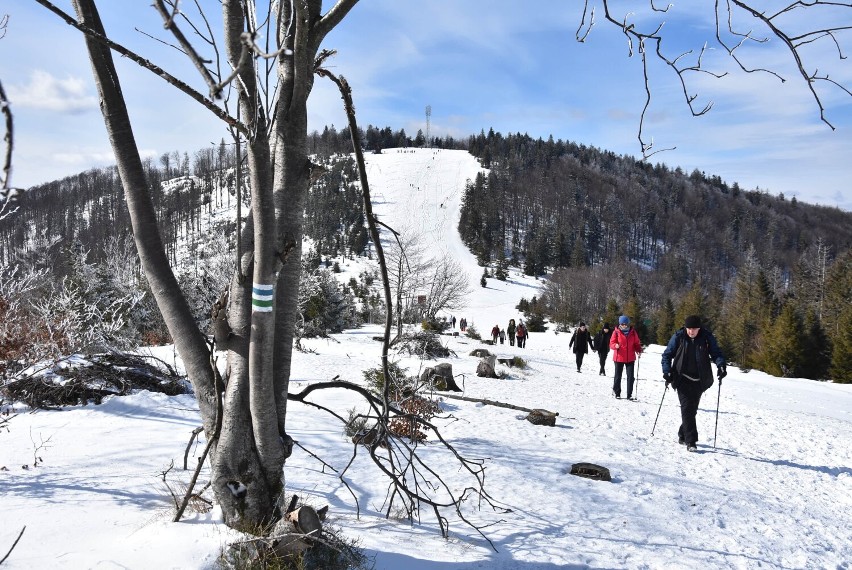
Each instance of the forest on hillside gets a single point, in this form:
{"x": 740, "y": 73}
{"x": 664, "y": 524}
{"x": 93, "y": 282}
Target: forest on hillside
{"x": 773, "y": 277}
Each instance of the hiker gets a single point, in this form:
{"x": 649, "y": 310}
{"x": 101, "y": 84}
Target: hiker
{"x": 495, "y": 333}
{"x": 581, "y": 340}
{"x": 453, "y": 320}
{"x": 502, "y": 336}
{"x": 521, "y": 334}
{"x": 510, "y": 330}
{"x": 463, "y": 324}
{"x": 626, "y": 347}
{"x": 686, "y": 367}
{"x": 600, "y": 344}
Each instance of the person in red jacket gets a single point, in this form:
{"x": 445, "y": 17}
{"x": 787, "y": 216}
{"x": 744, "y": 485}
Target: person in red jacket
{"x": 626, "y": 347}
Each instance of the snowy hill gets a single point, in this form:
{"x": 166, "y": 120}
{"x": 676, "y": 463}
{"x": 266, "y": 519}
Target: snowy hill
{"x": 774, "y": 492}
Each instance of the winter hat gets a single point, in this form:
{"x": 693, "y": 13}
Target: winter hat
{"x": 606, "y": 325}
{"x": 692, "y": 322}
{"x": 623, "y": 320}
{"x": 582, "y": 324}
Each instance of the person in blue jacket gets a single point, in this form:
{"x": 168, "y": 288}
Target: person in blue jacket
{"x": 686, "y": 367}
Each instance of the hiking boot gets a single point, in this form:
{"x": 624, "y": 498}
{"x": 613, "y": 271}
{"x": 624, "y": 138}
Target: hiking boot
{"x": 616, "y": 394}
{"x": 680, "y": 441}
{"x": 691, "y": 447}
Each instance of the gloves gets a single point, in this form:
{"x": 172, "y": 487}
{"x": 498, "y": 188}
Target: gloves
{"x": 668, "y": 378}
{"x": 721, "y": 372}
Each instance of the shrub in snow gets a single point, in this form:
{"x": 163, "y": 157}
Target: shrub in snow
{"x": 323, "y": 305}
{"x": 423, "y": 344}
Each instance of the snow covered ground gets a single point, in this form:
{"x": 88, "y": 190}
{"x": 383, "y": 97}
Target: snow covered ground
{"x": 774, "y": 492}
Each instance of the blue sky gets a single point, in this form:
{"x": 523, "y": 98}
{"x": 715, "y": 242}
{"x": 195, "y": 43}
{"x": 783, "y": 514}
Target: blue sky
{"x": 504, "y": 64}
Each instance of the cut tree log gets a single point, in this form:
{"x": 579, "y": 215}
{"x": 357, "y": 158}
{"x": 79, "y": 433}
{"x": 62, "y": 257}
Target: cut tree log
{"x": 498, "y": 404}
{"x": 306, "y": 521}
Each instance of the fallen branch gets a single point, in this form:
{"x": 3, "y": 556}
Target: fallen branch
{"x": 493, "y": 403}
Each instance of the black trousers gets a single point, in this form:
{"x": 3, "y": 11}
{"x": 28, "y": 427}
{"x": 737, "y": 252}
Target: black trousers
{"x": 602, "y": 356}
{"x": 616, "y": 385}
{"x": 689, "y": 393}
{"x": 580, "y": 356}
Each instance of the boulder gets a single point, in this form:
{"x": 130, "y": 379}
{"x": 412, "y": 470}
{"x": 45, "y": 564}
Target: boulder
{"x": 480, "y": 352}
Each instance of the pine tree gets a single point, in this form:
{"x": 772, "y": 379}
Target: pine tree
{"x": 838, "y": 295}
{"x": 613, "y": 311}
{"x": 693, "y": 303}
{"x": 633, "y": 309}
{"x": 782, "y": 346}
{"x": 841, "y": 357}
{"x": 666, "y": 322}
{"x": 817, "y": 356}
{"x": 748, "y": 312}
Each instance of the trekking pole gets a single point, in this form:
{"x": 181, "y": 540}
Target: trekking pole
{"x": 636, "y": 387}
{"x": 660, "y": 408}
{"x": 716, "y": 429}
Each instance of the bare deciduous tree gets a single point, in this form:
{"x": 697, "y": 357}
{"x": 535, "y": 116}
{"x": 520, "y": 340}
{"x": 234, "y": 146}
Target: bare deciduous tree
{"x": 449, "y": 286}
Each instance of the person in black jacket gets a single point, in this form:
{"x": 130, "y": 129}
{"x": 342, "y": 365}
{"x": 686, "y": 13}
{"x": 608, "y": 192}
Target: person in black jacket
{"x": 686, "y": 367}
{"x": 600, "y": 344}
{"x": 581, "y": 340}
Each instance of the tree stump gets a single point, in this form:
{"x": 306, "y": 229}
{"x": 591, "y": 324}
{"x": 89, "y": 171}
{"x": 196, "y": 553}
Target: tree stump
{"x": 485, "y": 368}
{"x": 293, "y": 534}
{"x": 541, "y": 417}
{"x": 440, "y": 377}
{"x": 591, "y": 471}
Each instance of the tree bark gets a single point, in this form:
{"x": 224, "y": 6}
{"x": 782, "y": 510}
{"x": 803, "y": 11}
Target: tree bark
{"x": 249, "y": 452}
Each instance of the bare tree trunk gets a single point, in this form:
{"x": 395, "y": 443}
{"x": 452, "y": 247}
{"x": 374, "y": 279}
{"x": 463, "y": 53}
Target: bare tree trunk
{"x": 188, "y": 339}
{"x": 252, "y": 446}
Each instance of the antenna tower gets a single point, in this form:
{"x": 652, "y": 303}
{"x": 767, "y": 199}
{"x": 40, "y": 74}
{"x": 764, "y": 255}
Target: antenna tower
{"x": 428, "y": 124}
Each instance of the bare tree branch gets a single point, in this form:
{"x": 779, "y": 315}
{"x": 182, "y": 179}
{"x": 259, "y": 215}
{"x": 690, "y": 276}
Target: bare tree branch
{"x": 726, "y": 13}
{"x": 207, "y": 103}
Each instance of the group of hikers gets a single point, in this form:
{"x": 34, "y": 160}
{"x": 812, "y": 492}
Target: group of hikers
{"x": 685, "y": 364}
{"x": 512, "y": 331}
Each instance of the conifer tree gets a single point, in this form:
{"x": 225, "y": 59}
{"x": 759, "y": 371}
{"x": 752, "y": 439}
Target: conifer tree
{"x": 693, "y": 303}
{"x": 782, "y": 346}
{"x": 666, "y": 325}
{"x": 633, "y": 309}
{"x": 841, "y": 357}
{"x": 838, "y": 295}
{"x": 748, "y": 311}
{"x": 613, "y": 311}
{"x": 817, "y": 349}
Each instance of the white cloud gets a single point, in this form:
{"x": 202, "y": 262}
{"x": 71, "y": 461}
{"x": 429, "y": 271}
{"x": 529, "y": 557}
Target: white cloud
{"x": 47, "y": 92}
{"x": 84, "y": 159}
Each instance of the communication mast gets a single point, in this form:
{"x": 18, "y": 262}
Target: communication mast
{"x": 428, "y": 124}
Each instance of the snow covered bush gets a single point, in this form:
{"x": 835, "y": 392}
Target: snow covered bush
{"x": 323, "y": 305}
